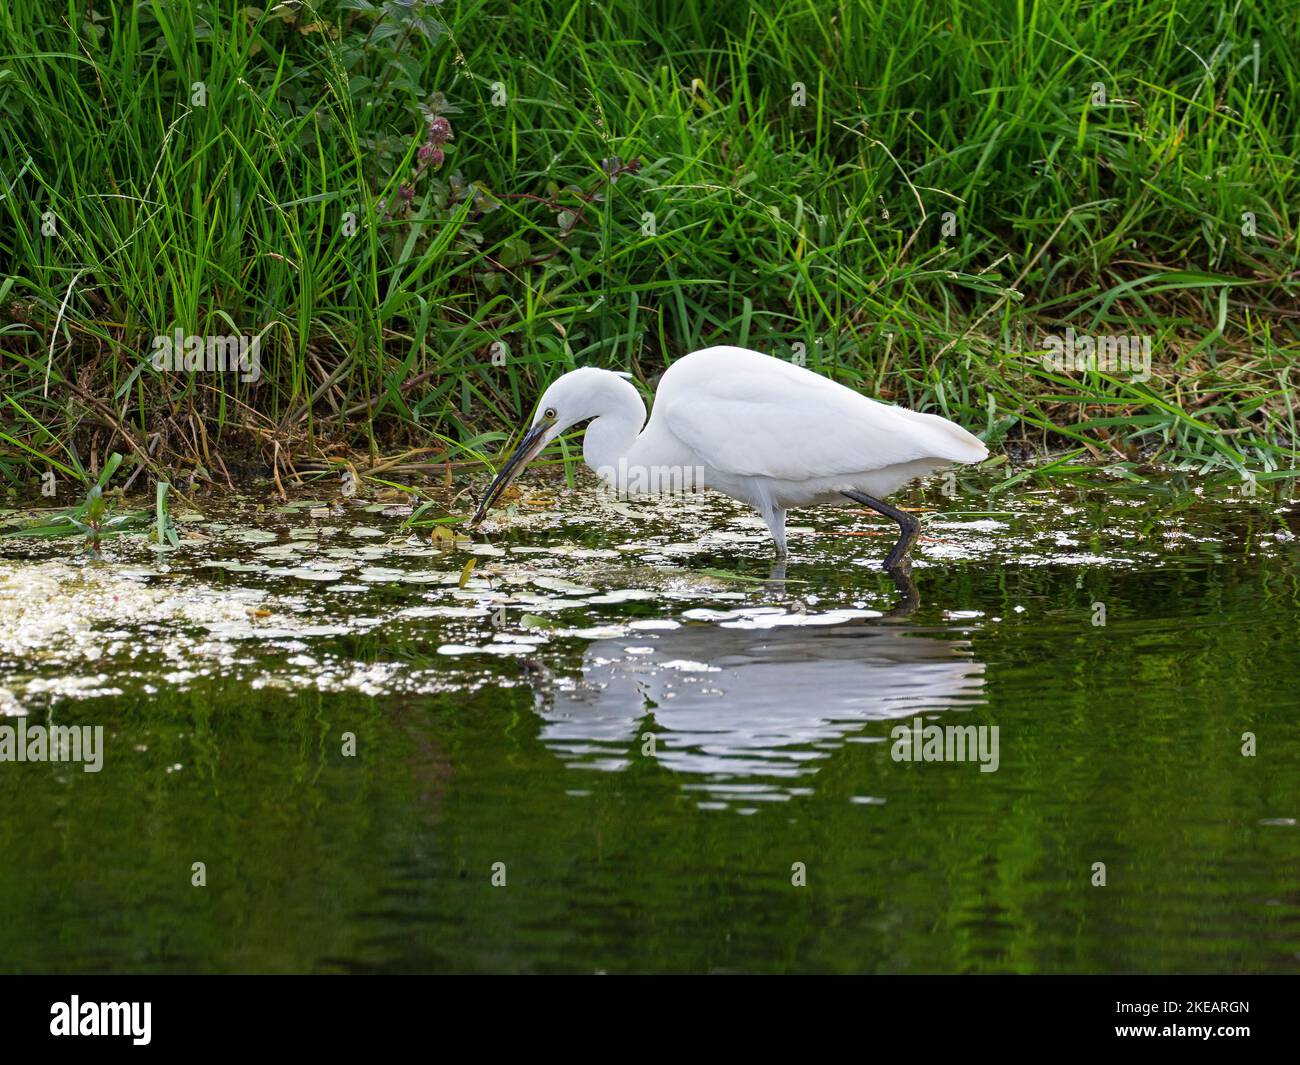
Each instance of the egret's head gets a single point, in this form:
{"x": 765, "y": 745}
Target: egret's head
{"x": 576, "y": 397}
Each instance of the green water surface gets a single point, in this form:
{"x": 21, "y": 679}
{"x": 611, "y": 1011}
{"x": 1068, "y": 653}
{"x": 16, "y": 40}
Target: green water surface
{"x": 509, "y": 722}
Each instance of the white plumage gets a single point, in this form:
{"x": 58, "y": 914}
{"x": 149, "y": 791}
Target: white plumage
{"x": 758, "y": 429}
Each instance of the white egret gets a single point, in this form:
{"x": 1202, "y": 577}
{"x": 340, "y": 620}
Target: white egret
{"x": 756, "y": 428}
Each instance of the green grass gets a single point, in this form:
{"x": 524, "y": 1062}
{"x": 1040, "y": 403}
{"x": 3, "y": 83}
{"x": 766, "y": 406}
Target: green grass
{"x": 773, "y": 225}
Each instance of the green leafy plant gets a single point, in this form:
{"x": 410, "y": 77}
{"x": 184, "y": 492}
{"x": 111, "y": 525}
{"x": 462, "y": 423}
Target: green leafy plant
{"x": 164, "y": 532}
{"x": 91, "y": 518}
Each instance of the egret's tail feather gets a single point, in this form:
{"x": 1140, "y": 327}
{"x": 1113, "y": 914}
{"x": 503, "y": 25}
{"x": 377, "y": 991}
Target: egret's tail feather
{"x": 945, "y": 439}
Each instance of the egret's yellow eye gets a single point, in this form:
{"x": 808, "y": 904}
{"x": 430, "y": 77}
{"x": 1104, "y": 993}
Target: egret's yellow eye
{"x": 549, "y": 412}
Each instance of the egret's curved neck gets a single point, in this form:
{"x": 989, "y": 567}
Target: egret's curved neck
{"x": 610, "y": 435}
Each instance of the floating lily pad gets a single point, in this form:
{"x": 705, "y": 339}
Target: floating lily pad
{"x": 443, "y": 612}
{"x": 623, "y": 595}
{"x": 233, "y": 566}
{"x": 559, "y": 584}
{"x": 380, "y": 573}
{"x": 302, "y": 573}
{"x": 428, "y": 577}
{"x": 536, "y": 621}
{"x": 254, "y": 536}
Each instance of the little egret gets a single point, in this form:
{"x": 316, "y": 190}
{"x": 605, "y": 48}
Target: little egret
{"x": 766, "y": 432}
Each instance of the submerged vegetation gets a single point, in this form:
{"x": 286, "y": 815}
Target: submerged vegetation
{"x": 375, "y": 230}
{"x": 504, "y": 716}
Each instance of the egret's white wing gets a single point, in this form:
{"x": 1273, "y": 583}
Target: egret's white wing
{"x": 758, "y": 416}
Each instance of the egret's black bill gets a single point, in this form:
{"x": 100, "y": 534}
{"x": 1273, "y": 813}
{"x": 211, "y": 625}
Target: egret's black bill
{"x": 528, "y": 448}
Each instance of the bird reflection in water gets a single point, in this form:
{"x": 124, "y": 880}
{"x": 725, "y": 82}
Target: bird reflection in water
{"x": 751, "y": 702}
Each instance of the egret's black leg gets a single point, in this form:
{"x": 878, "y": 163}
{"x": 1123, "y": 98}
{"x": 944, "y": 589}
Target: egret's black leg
{"x": 909, "y": 526}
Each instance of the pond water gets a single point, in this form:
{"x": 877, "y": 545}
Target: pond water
{"x": 673, "y": 758}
